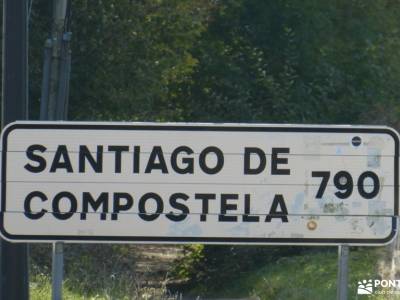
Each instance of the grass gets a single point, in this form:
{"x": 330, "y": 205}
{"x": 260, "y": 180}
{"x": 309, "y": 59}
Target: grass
{"x": 91, "y": 272}
{"x": 40, "y": 289}
{"x": 312, "y": 275}
{"x": 308, "y": 276}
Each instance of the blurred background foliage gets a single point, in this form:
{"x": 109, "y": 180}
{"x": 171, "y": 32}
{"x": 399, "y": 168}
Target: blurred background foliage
{"x": 236, "y": 61}
{"x": 282, "y": 61}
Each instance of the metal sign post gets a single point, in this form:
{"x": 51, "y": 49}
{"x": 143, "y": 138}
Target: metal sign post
{"x": 14, "y": 258}
{"x": 57, "y": 270}
{"x": 54, "y": 103}
{"x": 343, "y": 272}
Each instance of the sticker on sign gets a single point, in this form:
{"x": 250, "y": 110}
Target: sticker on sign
{"x": 206, "y": 183}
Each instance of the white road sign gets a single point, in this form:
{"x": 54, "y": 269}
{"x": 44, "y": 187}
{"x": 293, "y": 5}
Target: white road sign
{"x": 208, "y": 183}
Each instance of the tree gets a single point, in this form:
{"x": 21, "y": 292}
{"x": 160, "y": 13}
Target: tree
{"x": 127, "y": 53}
{"x": 295, "y": 61}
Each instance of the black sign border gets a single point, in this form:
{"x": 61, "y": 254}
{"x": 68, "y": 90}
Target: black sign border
{"x": 200, "y": 127}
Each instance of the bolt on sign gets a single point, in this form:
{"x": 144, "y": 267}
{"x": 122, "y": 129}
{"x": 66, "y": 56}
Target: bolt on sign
{"x": 208, "y": 183}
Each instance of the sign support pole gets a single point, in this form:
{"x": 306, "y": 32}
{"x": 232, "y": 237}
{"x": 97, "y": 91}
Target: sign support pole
{"x": 14, "y": 257}
{"x": 57, "y": 270}
{"x": 343, "y": 272}
{"x": 54, "y": 105}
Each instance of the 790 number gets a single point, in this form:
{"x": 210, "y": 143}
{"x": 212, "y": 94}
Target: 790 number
{"x": 343, "y": 181}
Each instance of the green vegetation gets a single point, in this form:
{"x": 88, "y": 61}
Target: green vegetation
{"x": 121, "y": 289}
{"x": 312, "y": 275}
{"x": 91, "y": 271}
{"x": 40, "y": 289}
{"x": 212, "y": 266}
{"x": 238, "y": 61}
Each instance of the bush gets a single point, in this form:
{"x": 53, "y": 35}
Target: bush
{"x": 206, "y": 267}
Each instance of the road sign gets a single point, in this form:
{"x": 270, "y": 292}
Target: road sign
{"x": 208, "y": 183}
